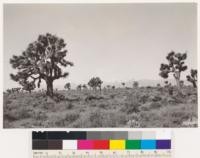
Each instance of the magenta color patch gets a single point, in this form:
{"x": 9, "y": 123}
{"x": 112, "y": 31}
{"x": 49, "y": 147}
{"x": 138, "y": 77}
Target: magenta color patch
{"x": 85, "y": 144}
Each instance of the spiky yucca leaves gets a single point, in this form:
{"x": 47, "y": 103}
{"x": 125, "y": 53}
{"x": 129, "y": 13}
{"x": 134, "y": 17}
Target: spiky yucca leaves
{"x": 95, "y": 83}
{"x": 175, "y": 66}
{"x": 28, "y": 86}
{"x": 192, "y": 77}
{"x": 42, "y": 60}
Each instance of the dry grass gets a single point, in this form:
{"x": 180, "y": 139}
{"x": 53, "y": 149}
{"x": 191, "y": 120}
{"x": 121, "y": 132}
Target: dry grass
{"x": 141, "y": 107}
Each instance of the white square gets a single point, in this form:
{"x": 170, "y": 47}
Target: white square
{"x": 69, "y": 144}
{"x": 148, "y": 135}
{"x": 163, "y": 134}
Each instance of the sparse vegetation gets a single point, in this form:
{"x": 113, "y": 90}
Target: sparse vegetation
{"x": 144, "y": 107}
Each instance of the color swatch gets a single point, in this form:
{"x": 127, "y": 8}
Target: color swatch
{"x": 100, "y": 140}
{"x": 117, "y": 144}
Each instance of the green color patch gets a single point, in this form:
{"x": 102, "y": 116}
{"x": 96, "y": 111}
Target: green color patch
{"x": 133, "y": 144}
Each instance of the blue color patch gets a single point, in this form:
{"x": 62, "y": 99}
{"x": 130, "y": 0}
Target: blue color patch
{"x": 148, "y": 144}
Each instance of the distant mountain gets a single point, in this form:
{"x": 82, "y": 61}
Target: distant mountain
{"x": 143, "y": 83}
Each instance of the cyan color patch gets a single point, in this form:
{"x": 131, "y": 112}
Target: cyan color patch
{"x": 148, "y": 144}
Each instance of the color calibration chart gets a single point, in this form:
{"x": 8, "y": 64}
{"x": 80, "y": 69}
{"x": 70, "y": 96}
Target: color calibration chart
{"x": 102, "y": 144}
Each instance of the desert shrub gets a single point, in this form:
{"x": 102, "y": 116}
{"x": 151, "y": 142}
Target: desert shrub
{"x": 95, "y": 119}
{"x": 40, "y": 116}
{"x": 167, "y": 116}
{"x": 93, "y": 97}
{"x": 133, "y": 123}
{"x": 114, "y": 119}
{"x": 144, "y": 108}
{"x": 103, "y": 105}
{"x": 7, "y": 101}
{"x": 70, "y": 105}
{"x": 150, "y": 119}
{"x": 143, "y": 99}
{"x": 150, "y": 105}
{"x": 160, "y": 89}
{"x": 58, "y": 97}
{"x": 66, "y": 120}
{"x": 192, "y": 99}
{"x": 156, "y": 98}
{"x": 82, "y": 122}
{"x": 7, "y": 124}
{"x": 18, "y": 114}
{"x": 171, "y": 100}
{"x": 25, "y": 113}
{"x": 131, "y": 104}
{"x": 100, "y": 104}
{"x": 191, "y": 122}
{"x": 178, "y": 99}
{"x": 71, "y": 117}
{"x": 9, "y": 116}
{"x": 134, "y": 116}
{"x": 133, "y": 120}
{"x": 155, "y": 105}
{"x": 50, "y": 106}
{"x": 102, "y": 118}
{"x": 112, "y": 96}
{"x": 73, "y": 99}
{"x": 62, "y": 106}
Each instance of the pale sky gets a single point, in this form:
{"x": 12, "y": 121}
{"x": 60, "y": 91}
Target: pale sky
{"x": 117, "y": 42}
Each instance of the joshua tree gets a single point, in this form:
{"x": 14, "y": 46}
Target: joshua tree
{"x": 175, "y": 66}
{"x": 42, "y": 60}
{"x": 67, "y": 86}
{"x": 108, "y": 86}
{"x": 192, "y": 77}
{"x": 181, "y": 83}
{"x": 84, "y": 86}
{"x": 123, "y": 84}
{"x": 79, "y": 87}
{"x": 135, "y": 84}
{"x": 158, "y": 85}
{"x": 95, "y": 83}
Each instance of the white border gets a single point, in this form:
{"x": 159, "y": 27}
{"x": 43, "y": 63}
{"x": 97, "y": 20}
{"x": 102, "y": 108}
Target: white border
{"x": 181, "y": 134}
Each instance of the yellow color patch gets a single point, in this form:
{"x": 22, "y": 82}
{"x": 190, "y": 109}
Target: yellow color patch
{"x": 117, "y": 144}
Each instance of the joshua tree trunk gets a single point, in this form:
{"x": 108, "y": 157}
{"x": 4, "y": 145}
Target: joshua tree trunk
{"x": 177, "y": 78}
{"x": 49, "y": 83}
{"x": 194, "y": 84}
{"x": 178, "y": 83}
